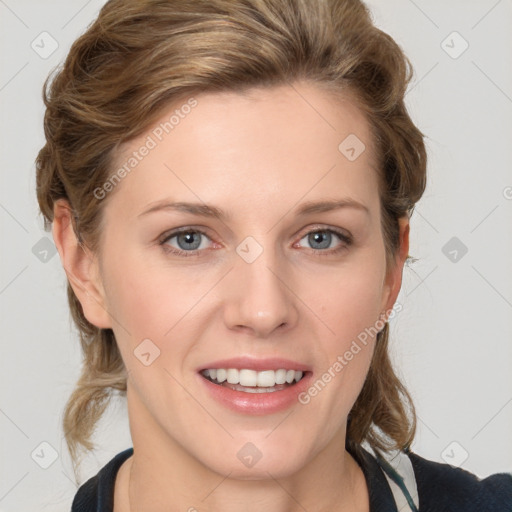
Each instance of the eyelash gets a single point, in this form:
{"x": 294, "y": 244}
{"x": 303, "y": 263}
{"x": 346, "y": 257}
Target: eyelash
{"x": 346, "y": 239}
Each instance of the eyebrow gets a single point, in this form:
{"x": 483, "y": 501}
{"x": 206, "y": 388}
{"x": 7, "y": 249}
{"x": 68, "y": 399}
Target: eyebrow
{"x": 205, "y": 210}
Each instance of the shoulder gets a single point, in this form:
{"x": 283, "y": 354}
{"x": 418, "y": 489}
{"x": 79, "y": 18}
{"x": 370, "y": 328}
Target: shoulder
{"x": 442, "y": 487}
{"x": 97, "y": 493}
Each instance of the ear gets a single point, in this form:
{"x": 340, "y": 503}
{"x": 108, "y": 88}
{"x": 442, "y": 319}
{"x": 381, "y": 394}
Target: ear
{"x": 80, "y": 265}
{"x": 393, "y": 281}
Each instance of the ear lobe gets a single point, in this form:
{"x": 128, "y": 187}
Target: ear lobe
{"x": 394, "y": 275}
{"x": 80, "y": 265}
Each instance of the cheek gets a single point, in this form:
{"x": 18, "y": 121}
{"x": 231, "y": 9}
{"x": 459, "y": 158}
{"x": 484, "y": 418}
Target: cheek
{"x": 148, "y": 300}
{"x": 349, "y": 303}
{"x": 351, "y": 313}
{"x": 348, "y": 300}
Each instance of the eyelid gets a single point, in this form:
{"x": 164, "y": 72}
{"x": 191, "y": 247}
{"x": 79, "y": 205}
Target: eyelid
{"x": 344, "y": 234}
{"x": 345, "y": 237}
{"x": 204, "y": 230}
{"x": 183, "y": 229}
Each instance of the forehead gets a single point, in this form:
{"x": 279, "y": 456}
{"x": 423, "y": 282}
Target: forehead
{"x": 253, "y": 149}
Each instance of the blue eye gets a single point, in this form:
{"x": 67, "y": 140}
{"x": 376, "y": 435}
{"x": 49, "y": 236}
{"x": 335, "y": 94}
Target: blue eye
{"x": 323, "y": 238}
{"x": 190, "y": 241}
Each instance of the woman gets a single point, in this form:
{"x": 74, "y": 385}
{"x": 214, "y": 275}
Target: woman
{"x": 237, "y": 179}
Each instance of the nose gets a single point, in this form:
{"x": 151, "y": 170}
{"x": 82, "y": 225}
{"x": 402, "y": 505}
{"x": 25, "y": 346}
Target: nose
{"x": 260, "y": 299}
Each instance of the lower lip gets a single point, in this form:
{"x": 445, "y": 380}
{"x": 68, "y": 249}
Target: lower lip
{"x": 257, "y": 403}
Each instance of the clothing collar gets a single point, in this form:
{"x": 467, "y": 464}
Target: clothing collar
{"x": 380, "y": 495}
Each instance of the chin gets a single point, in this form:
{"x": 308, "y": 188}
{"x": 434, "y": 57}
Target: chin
{"x": 258, "y": 472}
{"x": 249, "y": 463}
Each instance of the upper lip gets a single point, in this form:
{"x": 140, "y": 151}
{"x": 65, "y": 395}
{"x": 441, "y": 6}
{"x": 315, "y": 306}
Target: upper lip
{"x": 251, "y": 363}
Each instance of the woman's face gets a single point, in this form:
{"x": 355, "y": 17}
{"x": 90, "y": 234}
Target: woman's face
{"x": 262, "y": 287}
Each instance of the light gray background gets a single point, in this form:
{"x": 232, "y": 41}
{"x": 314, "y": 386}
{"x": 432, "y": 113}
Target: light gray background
{"x": 452, "y": 341}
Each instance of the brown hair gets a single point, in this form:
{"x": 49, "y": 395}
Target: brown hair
{"x": 140, "y": 56}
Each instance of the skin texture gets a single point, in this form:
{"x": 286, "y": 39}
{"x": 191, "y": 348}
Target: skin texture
{"x": 258, "y": 156}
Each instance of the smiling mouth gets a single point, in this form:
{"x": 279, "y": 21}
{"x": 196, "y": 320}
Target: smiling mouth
{"x": 251, "y": 381}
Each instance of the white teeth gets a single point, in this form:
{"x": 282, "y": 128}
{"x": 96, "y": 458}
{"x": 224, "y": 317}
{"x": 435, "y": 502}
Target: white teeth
{"x": 248, "y": 378}
{"x": 252, "y": 378}
{"x": 280, "y": 376}
{"x": 233, "y": 376}
{"x": 266, "y": 379}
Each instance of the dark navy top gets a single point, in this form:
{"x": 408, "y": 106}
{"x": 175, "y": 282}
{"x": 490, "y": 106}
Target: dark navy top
{"x": 441, "y": 487}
